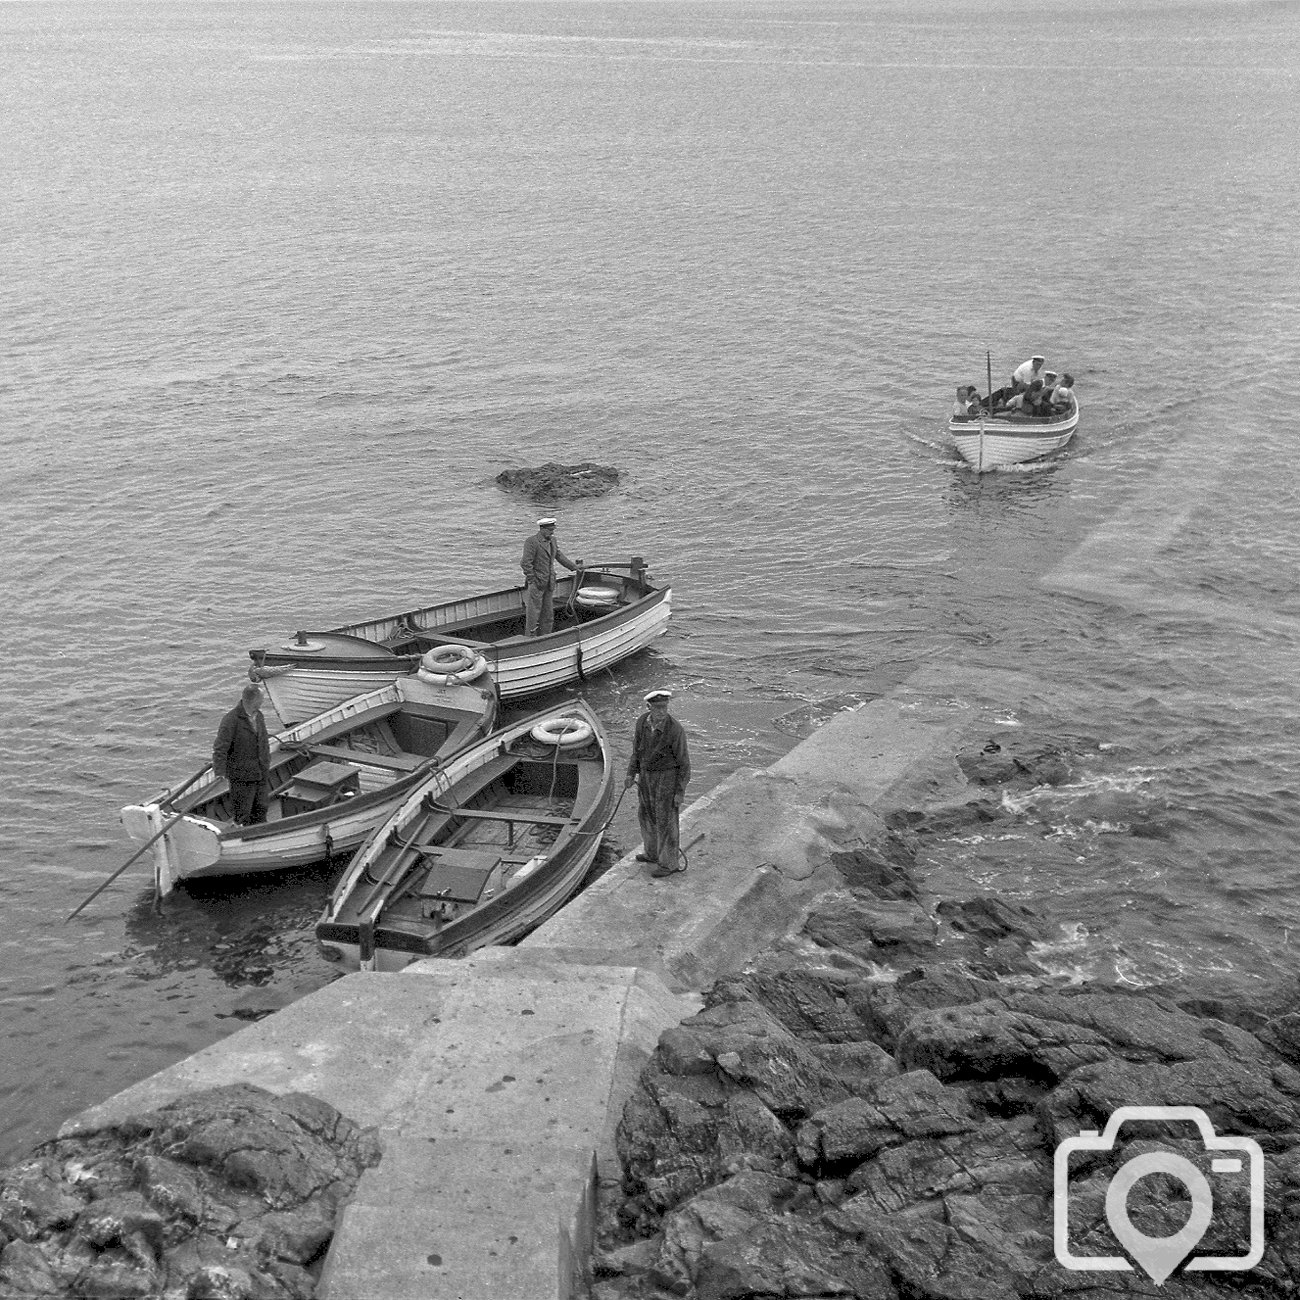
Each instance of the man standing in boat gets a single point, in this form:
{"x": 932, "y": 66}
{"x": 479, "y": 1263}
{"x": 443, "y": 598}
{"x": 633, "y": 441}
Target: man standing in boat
{"x": 242, "y": 754}
{"x": 540, "y": 556}
{"x": 1026, "y": 372}
{"x": 660, "y": 767}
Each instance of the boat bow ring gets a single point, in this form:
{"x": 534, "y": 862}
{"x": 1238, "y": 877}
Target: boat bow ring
{"x": 447, "y": 665}
{"x": 562, "y": 731}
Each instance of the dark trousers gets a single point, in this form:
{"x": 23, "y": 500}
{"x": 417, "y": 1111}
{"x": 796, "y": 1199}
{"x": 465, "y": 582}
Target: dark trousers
{"x": 658, "y": 815}
{"x": 539, "y": 618}
{"x": 248, "y": 802}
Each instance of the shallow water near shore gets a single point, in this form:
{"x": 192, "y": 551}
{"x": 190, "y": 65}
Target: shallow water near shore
{"x": 290, "y": 284}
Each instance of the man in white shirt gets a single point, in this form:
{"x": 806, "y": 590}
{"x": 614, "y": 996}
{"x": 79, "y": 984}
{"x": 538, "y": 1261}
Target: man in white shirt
{"x": 1026, "y": 372}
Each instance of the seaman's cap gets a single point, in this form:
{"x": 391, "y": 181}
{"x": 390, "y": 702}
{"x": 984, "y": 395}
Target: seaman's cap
{"x": 1037, "y": 357}
{"x": 652, "y": 696}
{"x": 546, "y": 523}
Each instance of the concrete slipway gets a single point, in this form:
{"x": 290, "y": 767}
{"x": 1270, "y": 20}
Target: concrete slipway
{"x": 497, "y": 1081}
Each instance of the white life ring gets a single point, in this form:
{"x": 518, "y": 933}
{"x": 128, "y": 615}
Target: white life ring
{"x": 562, "y": 731}
{"x": 597, "y": 597}
{"x": 448, "y": 665}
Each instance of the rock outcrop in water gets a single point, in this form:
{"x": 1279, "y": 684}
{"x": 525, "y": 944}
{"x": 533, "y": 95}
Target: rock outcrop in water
{"x": 553, "y": 482}
{"x": 228, "y": 1194}
{"x": 817, "y": 1131}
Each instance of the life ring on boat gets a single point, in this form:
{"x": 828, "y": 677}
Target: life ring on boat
{"x": 564, "y": 732}
{"x": 598, "y": 597}
{"x": 449, "y": 665}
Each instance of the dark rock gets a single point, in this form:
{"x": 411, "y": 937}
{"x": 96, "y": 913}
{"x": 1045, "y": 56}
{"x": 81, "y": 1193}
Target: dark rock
{"x": 554, "y": 482}
{"x": 1283, "y": 1036}
{"x": 898, "y": 1110}
{"x": 1248, "y": 1098}
{"x": 949, "y": 819}
{"x": 788, "y": 1259}
{"x": 991, "y": 920}
{"x": 224, "y": 1193}
{"x": 35, "y": 1200}
{"x": 731, "y": 1208}
{"x": 885, "y": 1008}
{"x": 885, "y": 871}
{"x": 1015, "y": 764}
{"x": 858, "y": 1066}
{"x": 753, "y": 1050}
{"x": 678, "y": 1136}
{"x": 812, "y": 1004}
{"x": 876, "y": 929}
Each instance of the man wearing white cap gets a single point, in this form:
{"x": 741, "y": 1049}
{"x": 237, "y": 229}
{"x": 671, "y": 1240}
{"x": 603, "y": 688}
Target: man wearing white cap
{"x": 661, "y": 767}
{"x": 1026, "y": 372}
{"x": 540, "y": 555}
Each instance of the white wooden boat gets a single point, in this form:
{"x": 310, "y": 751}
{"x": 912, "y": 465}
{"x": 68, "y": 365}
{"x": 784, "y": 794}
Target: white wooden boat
{"x": 482, "y": 851}
{"x": 334, "y": 778}
{"x": 603, "y": 614}
{"x": 1007, "y": 437}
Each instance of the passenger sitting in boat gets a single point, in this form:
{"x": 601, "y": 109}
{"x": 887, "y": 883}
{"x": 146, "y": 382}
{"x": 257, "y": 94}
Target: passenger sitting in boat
{"x": 968, "y": 402}
{"x": 1025, "y": 402}
{"x": 1042, "y": 400}
{"x": 1063, "y": 393}
{"x": 1026, "y": 372}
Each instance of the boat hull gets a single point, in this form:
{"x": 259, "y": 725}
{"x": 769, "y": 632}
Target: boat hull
{"x": 986, "y": 442}
{"x": 195, "y": 845}
{"x": 381, "y": 914}
{"x": 354, "y": 658}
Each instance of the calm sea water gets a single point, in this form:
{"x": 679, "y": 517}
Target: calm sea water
{"x": 286, "y": 285}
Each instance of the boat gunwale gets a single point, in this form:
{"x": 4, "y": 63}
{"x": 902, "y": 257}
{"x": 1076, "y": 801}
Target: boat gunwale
{"x": 495, "y": 744}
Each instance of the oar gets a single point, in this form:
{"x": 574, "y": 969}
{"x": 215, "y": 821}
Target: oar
{"x": 173, "y": 795}
{"x": 169, "y": 798}
{"x": 171, "y": 821}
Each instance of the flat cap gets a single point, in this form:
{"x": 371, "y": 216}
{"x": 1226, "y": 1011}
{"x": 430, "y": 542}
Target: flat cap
{"x": 651, "y": 696}
{"x": 543, "y": 523}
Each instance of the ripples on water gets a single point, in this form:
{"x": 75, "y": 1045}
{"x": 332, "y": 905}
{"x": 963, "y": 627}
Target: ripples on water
{"x": 283, "y": 299}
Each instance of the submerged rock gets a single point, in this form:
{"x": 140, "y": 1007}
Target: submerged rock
{"x": 230, "y": 1192}
{"x": 554, "y": 482}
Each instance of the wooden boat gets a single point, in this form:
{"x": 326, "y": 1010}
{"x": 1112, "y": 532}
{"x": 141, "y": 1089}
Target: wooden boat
{"x": 1007, "y": 437}
{"x": 481, "y": 851}
{"x": 603, "y": 614}
{"x": 334, "y": 778}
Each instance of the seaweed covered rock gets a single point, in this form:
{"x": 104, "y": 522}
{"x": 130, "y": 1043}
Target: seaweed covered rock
{"x": 555, "y": 482}
{"x": 230, "y": 1192}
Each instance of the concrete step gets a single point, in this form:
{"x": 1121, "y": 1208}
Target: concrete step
{"x": 495, "y": 1081}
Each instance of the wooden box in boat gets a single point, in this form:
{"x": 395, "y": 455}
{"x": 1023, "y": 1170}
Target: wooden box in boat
{"x": 590, "y": 634}
{"x": 334, "y": 778}
{"x": 1007, "y": 438}
{"x": 479, "y": 853}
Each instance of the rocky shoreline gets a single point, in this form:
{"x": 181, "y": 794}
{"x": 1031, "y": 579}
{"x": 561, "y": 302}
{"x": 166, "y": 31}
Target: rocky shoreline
{"x": 818, "y": 1130}
{"x": 871, "y": 1108}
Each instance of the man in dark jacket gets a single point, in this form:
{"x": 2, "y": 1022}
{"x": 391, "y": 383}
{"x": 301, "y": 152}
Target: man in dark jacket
{"x": 541, "y": 552}
{"x": 661, "y": 767}
{"x": 242, "y": 754}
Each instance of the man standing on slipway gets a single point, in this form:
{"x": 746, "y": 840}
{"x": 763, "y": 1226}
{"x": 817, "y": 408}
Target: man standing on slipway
{"x": 538, "y": 564}
{"x": 661, "y": 767}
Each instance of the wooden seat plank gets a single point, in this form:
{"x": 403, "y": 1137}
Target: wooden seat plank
{"x": 394, "y": 762}
{"x": 517, "y": 815}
